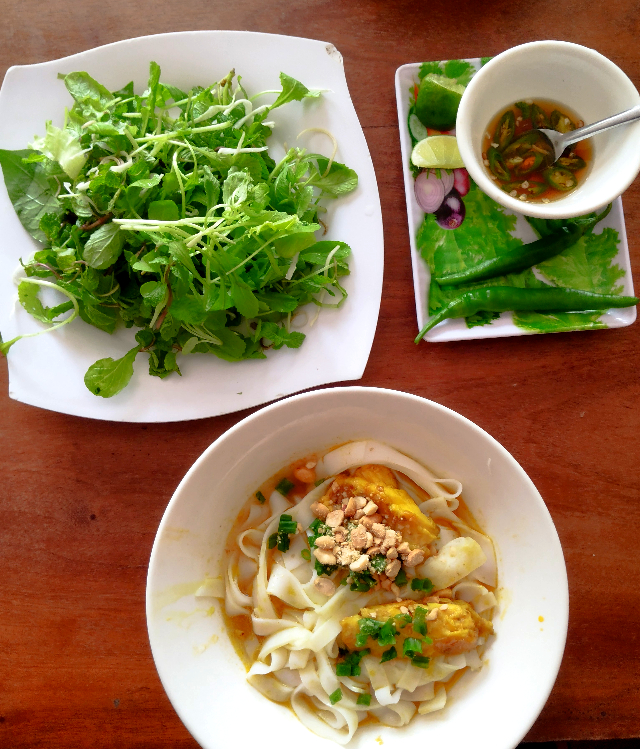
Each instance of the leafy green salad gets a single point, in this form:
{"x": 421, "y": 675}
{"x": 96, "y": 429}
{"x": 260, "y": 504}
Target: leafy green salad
{"x": 164, "y": 212}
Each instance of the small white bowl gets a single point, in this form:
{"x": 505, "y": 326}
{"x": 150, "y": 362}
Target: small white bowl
{"x": 203, "y": 676}
{"x": 578, "y": 77}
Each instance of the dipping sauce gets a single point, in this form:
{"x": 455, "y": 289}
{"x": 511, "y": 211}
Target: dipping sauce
{"x": 521, "y": 161}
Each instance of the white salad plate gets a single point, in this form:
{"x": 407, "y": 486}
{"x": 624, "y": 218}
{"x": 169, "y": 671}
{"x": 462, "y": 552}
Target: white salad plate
{"x": 456, "y": 329}
{"x": 199, "y": 668}
{"x": 48, "y": 370}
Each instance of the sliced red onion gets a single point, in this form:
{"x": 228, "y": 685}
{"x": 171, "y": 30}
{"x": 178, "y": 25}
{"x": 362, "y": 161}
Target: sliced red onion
{"x": 429, "y": 191}
{"x": 452, "y": 211}
{"x": 447, "y": 178}
{"x": 461, "y": 181}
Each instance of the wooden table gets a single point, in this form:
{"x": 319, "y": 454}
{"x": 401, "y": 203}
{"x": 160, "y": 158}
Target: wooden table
{"x": 81, "y": 499}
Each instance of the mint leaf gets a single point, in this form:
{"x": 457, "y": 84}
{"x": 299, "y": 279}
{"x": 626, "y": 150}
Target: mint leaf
{"x": 30, "y": 190}
{"x": 107, "y": 377}
{"x": 104, "y": 246}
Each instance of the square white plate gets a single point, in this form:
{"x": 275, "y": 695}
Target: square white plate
{"x": 456, "y": 330}
{"x": 48, "y": 371}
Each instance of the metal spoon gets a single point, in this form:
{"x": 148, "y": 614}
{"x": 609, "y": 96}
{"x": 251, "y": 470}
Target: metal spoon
{"x": 559, "y": 141}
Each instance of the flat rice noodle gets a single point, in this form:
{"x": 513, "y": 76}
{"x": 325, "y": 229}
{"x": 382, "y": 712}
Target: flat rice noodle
{"x": 326, "y": 674}
{"x": 446, "y": 535}
{"x": 298, "y": 659}
{"x": 257, "y": 513}
{"x": 249, "y": 542}
{"x": 272, "y": 688}
{"x": 277, "y": 660}
{"x": 277, "y": 504}
{"x": 263, "y": 608}
{"x": 438, "y": 507}
{"x": 380, "y": 681}
{"x": 266, "y": 627}
{"x": 476, "y": 594}
{"x": 292, "y": 558}
{"x": 421, "y": 693}
{"x": 474, "y": 662}
{"x": 436, "y": 703}
{"x": 285, "y": 586}
{"x": 455, "y": 560}
{"x": 488, "y": 572}
{"x": 288, "y": 676}
{"x": 368, "y": 452}
{"x": 235, "y": 601}
{"x": 396, "y": 715}
{"x": 212, "y": 587}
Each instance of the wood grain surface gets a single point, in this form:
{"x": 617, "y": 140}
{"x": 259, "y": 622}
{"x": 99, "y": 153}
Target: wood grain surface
{"x": 81, "y": 500}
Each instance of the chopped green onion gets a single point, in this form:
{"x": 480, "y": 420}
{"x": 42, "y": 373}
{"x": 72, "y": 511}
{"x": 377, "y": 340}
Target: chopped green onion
{"x": 401, "y": 578}
{"x": 284, "y": 486}
{"x": 387, "y": 634}
{"x": 378, "y": 563}
{"x": 273, "y": 540}
{"x": 403, "y": 619}
{"x": 420, "y": 661}
{"x": 364, "y": 699}
{"x": 350, "y": 666}
{"x": 325, "y": 569}
{"x": 343, "y": 581}
{"x": 411, "y": 645}
{"x": 419, "y": 620}
{"x": 389, "y": 655}
{"x": 261, "y": 498}
{"x": 318, "y": 482}
{"x": 335, "y": 696}
{"x": 423, "y": 584}
{"x": 306, "y": 554}
{"x": 362, "y": 581}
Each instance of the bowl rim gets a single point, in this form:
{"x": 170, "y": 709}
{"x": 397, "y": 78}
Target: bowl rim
{"x": 465, "y": 136}
{"x": 555, "y": 653}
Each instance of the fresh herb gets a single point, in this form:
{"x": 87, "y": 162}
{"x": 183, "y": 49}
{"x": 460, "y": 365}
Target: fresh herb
{"x": 364, "y": 699}
{"x": 378, "y": 563}
{"x": 389, "y": 655}
{"x": 318, "y": 528}
{"x": 411, "y": 645}
{"x": 387, "y": 634}
{"x": 362, "y": 581}
{"x": 306, "y": 554}
{"x": 273, "y": 540}
{"x": 335, "y": 696}
{"x": 403, "y": 620}
{"x": 181, "y": 227}
{"x": 350, "y": 665}
{"x": 401, "y": 578}
{"x": 423, "y": 584}
{"x": 318, "y": 482}
{"x": 261, "y": 498}
{"x": 284, "y": 486}
{"x": 324, "y": 569}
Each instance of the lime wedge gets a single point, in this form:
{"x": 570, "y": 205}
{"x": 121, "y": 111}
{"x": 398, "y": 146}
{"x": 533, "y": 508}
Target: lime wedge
{"x": 438, "y": 100}
{"x": 437, "y": 152}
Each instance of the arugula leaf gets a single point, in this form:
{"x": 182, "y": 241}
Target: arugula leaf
{"x": 107, "y": 377}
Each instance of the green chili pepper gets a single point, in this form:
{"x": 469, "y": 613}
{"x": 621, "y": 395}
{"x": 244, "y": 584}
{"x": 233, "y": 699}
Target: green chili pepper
{"x": 525, "y": 109}
{"x": 505, "y": 130}
{"x": 560, "y": 178}
{"x": 530, "y": 162}
{"x": 537, "y": 188}
{"x": 511, "y": 298}
{"x": 538, "y": 117}
{"x": 561, "y": 122}
{"x": 517, "y": 259}
{"x": 571, "y": 162}
{"x": 496, "y": 163}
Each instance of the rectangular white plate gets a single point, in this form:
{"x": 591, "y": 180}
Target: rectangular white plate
{"x": 456, "y": 330}
{"x": 48, "y": 371}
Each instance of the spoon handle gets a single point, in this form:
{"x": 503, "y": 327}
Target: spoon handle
{"x": 597, "y": 127}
